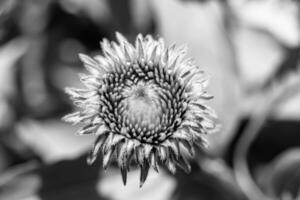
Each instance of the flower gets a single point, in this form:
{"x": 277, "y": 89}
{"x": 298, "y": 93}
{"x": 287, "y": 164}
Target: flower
{"x": 144, "y": 103}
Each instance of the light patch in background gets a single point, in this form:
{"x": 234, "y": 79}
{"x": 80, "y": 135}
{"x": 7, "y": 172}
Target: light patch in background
{"x": 258, "y": 56}
{"x": 262, "y": 28}
{"x": 97, "y": 10}
{"x": 31, "y": 198}
{"x": 289, "y": 109}
{"x": 279, "y": 18}
{"x": 53, "y": 140}
{"x": 263, "y": 31}
{"x": 159, "y": 186}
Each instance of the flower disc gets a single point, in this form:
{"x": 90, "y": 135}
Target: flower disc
{"x": 144, "y": 103}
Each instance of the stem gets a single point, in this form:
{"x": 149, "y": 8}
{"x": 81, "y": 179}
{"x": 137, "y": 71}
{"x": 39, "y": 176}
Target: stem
{"x": 265, "y": 105}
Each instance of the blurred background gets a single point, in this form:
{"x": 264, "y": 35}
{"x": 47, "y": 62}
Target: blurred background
{"x": 249, "y": 48}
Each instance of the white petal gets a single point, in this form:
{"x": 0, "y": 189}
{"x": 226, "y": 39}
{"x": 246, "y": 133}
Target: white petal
{"x": 102, "y": 63}
{"x": 148, "y": 149}
{"x": 90, "y": 81}
{"x": 121, "y": 39}
{"x": 80, "y": 93}
{"x": 90, "y": 64}
{"x": 72, "y": 118}
{"x": 139, "y": 47}
{"x": 102, "y": 130}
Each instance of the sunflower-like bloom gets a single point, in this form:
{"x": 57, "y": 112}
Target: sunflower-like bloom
{"x": 145, "y": 105}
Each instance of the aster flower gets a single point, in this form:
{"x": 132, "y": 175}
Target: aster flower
{"x": 145, "y": 105}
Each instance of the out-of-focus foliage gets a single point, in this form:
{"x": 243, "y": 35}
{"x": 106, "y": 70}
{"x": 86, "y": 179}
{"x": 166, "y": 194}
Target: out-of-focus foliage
{"x": 281, "y": 177}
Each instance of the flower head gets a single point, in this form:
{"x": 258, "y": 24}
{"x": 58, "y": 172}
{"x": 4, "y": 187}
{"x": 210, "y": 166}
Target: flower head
{"x": 144, "y": 104}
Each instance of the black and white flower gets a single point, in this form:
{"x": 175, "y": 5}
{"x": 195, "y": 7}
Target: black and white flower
{"x": 145, "y": 103}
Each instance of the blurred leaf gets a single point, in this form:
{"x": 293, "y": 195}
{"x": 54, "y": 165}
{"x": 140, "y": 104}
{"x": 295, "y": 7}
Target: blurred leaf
{"x": 280, "y": 18}
{"x": 282, "y": 175}
{"x": 9, "y": 55}
{"x": 19, "y": 182}
{"x": 213, "y": 181}
{"x": 53, "y": 140}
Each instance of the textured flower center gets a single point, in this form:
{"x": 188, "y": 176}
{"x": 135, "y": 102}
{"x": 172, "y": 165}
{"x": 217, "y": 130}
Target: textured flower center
{"x": 141, "y": 93}
{"x": 142, "y": 106}
{"x": 144, "y": 102}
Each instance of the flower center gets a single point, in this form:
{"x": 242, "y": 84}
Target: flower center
{"x": 141, "y": 104}
{"x": 144, "y": 102}
{"x": 141, "y": 92}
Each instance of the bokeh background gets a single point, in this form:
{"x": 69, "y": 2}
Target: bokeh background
{"x": 249, "y": 48}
